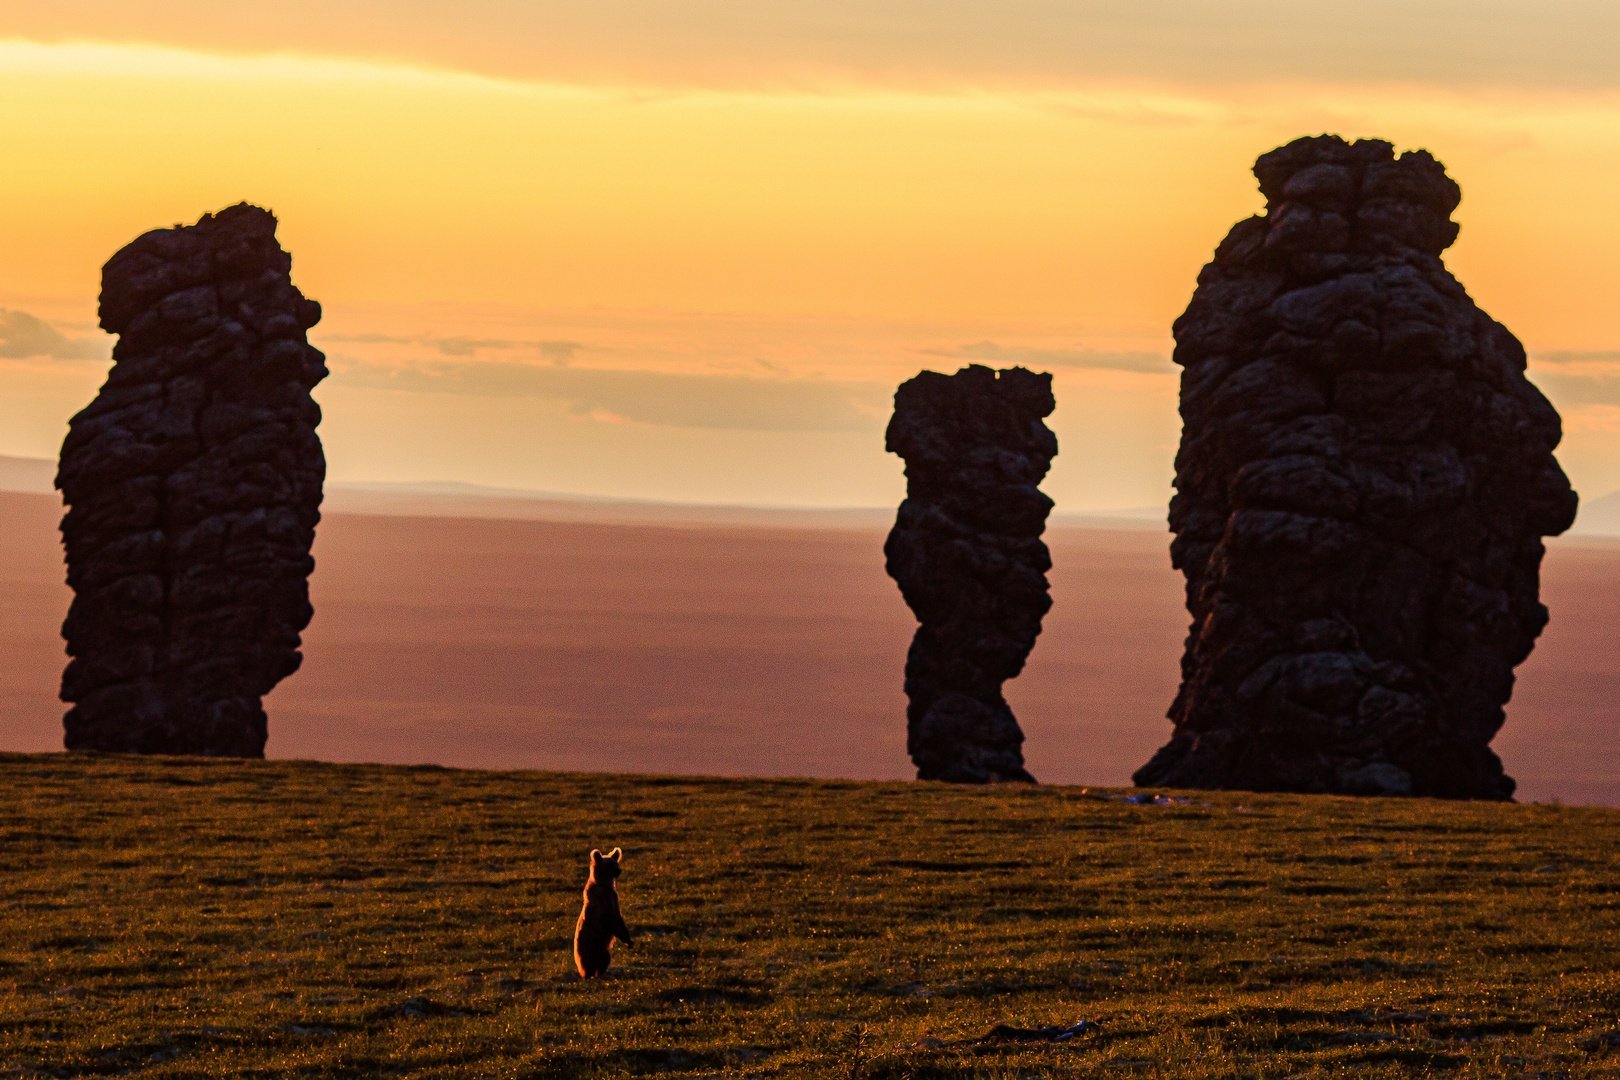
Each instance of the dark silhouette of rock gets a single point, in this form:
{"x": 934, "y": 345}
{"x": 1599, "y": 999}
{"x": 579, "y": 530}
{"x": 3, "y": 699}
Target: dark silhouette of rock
{"x": 193, "y": 486}
{"x": 1364, "y": 480}
{"x": 966, "y": 551}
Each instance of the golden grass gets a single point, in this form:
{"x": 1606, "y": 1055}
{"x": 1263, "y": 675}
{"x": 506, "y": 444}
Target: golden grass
{"x": 174, "y": 918}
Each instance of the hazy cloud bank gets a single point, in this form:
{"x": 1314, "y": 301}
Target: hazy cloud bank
{"x": 648, "y": 397}
{"x": 1578, "y": 378}
{"x": 23, "y": 335}
{"x": 769, "y": 44}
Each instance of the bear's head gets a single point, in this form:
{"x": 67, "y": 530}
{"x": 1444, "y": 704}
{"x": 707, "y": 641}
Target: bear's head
{"x": 605, "y": 867}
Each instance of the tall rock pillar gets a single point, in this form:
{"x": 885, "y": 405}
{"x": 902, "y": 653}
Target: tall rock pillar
{"x": 193, "y": 486}
{"x": 1364, "y": 481}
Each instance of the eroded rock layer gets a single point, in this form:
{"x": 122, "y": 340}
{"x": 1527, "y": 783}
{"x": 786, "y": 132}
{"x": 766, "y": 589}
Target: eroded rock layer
{"x": 967, "y": 554}
{"x": 1364, "y": 479}
{"x": 193, "y": 486}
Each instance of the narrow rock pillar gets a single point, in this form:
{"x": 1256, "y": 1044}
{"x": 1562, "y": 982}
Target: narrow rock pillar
{"x": 967, "y": 554}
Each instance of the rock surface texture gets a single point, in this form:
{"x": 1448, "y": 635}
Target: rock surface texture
{"x": 193, "y": 486}
{"x": 966, "y": 551}
{"x": 1364, "y": 479}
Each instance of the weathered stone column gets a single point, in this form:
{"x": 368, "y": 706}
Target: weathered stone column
{"x": 1364, "y": 480}
{"x": 193, "y": 486}
{"x": 966, "y": 551}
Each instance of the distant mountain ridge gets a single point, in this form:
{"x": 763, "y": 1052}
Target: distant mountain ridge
{"x": 461, "y": 499}
{"x": 1600, "y": 517}
{"x": 29, "y": 476}
{"x": 454, "y": 498}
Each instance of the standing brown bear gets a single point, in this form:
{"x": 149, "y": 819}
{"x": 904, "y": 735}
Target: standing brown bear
{"x": 599, "y": 921}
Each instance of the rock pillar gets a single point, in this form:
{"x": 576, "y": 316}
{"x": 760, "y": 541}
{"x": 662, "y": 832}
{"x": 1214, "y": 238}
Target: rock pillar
{"x": 967, "y": 554}
{"x": 1364, "y": 480}
{"x": 193, "y": 486}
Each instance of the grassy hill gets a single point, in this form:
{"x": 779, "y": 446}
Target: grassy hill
{"x": 203, "y": 918}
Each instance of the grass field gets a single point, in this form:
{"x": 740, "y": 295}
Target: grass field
{"x": 204, "y": 918}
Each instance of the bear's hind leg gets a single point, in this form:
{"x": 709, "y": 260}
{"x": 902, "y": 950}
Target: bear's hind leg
{"x": 591, "y": 964}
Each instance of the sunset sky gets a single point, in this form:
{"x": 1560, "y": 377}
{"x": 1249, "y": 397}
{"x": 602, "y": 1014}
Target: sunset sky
{"x": 685, "y": 249}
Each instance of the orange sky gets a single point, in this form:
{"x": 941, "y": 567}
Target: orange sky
{"x": 688, "y": 255}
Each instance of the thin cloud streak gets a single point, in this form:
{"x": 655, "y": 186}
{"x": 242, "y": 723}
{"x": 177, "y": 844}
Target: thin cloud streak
{"x": 23, "y": 336}
{"x": 558, "y": 352}
{"x": 989, "y": 352}
{"x": 662, "y": 399}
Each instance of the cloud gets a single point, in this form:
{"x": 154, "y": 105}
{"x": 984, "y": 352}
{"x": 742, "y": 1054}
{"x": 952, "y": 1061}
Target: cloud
{"x": 558, "y": 352}
{"x": 755, "y": 44}
{"x": 1577, "y": 378}
{"x": 648, "y": 397}
{"x": 23, "y": 335}
{"x": 1005, "y": 356}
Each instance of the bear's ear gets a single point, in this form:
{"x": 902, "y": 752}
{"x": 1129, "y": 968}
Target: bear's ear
{"x": 615, "y": 854}
{"x": 596, "y": 856}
